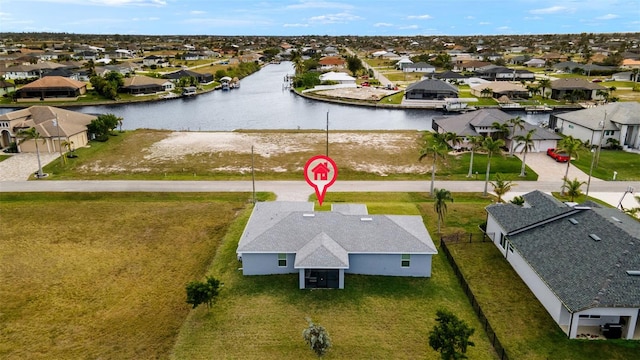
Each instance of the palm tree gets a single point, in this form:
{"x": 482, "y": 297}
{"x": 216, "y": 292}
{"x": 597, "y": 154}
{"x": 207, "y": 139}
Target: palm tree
{"x": 440, "y": 204}
{"x": 435, "y": 145}
{"x": 486, "y": 92}
{"x": 569, "y": 145}
{"x": 501, "y": 186}
{"x": 544, "y": 84}
{"x": 298, "y": 63}
{"x": 516, "y": 122}
{"x": 452, "y": 138}
{"x": 501, "y": 128}
{"x": 491, "y": 147}
{"x": 517, "y": 200}
{"x": 572, "y": 187}
{"x": 527, "y": 142}
{"x": 475, "y": 142}
{"x": 28, "y": 134}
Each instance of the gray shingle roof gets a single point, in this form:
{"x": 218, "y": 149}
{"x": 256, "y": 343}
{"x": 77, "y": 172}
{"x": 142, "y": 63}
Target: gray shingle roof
{"x": 432, "y": 85}
{"x": 626, "y": 113}
{"x": 324, "y": 239}
{"x": 582, "y": 272}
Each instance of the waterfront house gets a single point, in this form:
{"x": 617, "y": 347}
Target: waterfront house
{"x": 431, "y": 89}
{"x": 144, "y": 85}
{"x": 51, "y": 88}
{"x": 54, "y": 125}
{"x": 575, "y": 89}
{"x": 322, "y": 246}
{"x": 619, "y": 121}
{"x": 581, "y": 262}
{"x": 200, "y": 77}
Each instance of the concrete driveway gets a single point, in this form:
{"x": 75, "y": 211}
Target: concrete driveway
{"x": 21, "y": 166}
{"x": 551, "y": 170}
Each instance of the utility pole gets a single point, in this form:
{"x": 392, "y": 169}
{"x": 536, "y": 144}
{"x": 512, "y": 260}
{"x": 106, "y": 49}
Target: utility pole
{"x": 603, "y": 123}
{"x": 253, "y": 176}
{"x": 57, "y": 123}
{"x": 327, "y": 133}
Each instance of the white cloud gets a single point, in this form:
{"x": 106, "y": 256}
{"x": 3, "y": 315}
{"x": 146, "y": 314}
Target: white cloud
{"x": 114, "y": 3}
{"x": 409, "y": 27}
{"x": 551, "y": 10}
{"x": 420, "y": 17}
{"x": 484, "y": 23}
{"x": 469, "y": 17}
{"x": 197, "y": 12}
{"x": 607, "y": 17}
{"x": 335, "y": 18}
{"x": 381, "y": 24}
{"x": 295, "y": 25}
{"x": 504, "y": 28}
{"x": 319, "y": 5}
{"x": 532, "y": 18}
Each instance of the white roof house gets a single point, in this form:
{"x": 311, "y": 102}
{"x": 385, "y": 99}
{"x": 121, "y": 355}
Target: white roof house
{"x": 338, "y": 77}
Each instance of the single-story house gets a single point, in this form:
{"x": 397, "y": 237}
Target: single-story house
{"x": 338, "y": 77}
{"x": 578, "y": 89}
{"x": 626, "y": 76}
{"x": 501, "y": 88}
{"x": 538, "y": 63}
{"x": 421, "y": 67}
{"x": 450, "y": 76}
{"x": 501, "y": 73}
{"x": 480, "y": 123}
{"x": 54, "y": 125}
{"x": 51, "y": 88}
{"x": 403, "y": 62}
{"x": 618, "y": 120}
{"x": 29, "y": 71}
{"x": 331, "y": 62}
{"x": 471, "y": 65}
{"x": 143, "y": 85}
{"x": 6, "y": 87}
{"x": 322, "y": 246}
{"x": 200, "y": 78}
{"x": 582, "y": 262}
{"x": 153, "y": 60}
{"x": 430, "y": 89}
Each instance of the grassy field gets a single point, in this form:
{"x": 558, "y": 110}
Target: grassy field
{"x": 626, "y": 164}
{"x": 374, "y": 317}
{"x": 125, "y": 156}
{"x": 103, "y": 275}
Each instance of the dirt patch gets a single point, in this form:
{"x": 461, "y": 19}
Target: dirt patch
{"x": 363, "y": 93}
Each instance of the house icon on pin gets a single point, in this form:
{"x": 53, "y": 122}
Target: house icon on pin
{"x": 321, "y": 171}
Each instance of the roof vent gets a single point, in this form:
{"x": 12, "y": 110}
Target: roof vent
{"x": 594, "y": 237}
{"x": 633, "y": 272}
{"x": 573, "y": 221}
{"x": 616, "y": 219}
{"x": 308, "y": 215}
{"x": 366, "y": 219}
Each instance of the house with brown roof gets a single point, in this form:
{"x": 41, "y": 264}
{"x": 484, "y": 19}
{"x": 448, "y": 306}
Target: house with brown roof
{"x": 471, "y": 65}
{"x": 144, "y": 85}
{"x": 55, "y": 126}
{"x": 501, "y": 88}
{"x": 331, "y": 62}
{"x": 554, "y": 57}
{"x": 51, "y": 88}
{"x": 575, "y": 89}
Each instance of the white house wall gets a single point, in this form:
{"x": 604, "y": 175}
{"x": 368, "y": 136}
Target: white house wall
{"x": 266, "y": 264}
{"x": 389, "y": 265}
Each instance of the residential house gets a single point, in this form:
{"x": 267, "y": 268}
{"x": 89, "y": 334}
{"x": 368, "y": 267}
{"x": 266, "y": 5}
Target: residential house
{"x": 627, "y": 76}
{"x": 449, "y": 76}
{"x": 581, "y": 262}
{"x": 501, "y": 88}
{"x": 200, "y": 78}
{"x": 331, "y": 63}
{"x": 144, "y": 85}
{"x": 21, "y": 72}
{"x": 322, "y": 246}
{"x": 554, "y": 57}
{"x": 536, "y": 63}
{"x": 405, "y": 61}
{"x": 54, "y": 125}
{"x": 51, "y": 88}
{"x": 575, "y": 89}
{"x": 471, "y": 65}
{"x": 421, "y": 67}
{"x": 480, "y": 123}
{"x": 619, "y": 121}
{"x": 338, "y": 77}
{"x": 430, "y": 89}
{"x": 6, "y": 87}
{"x": 152, "y": 60}
{"x": 501, "y": 73}
{"x": 630, "y": 64}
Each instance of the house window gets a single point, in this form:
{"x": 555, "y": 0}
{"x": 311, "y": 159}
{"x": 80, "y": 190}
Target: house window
{"x": 608, "y": 133}
{"x": 282, "y": 260}
{"x": 570, "y": 126}
{"x": 406, "y": 260}
{"x": 589, "y": 316}
{"x": 503, "y": 241}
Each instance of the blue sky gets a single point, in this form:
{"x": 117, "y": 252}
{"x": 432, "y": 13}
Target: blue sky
{"x": 317, "y": 17}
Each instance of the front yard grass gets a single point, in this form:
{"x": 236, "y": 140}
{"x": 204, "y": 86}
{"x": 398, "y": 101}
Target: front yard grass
{"x": 626, "y": 164}
{"x": 374, "y": 317}
{"x": 103, "y": 274}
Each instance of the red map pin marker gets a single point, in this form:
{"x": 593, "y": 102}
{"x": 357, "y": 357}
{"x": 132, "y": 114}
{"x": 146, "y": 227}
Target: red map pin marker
{"x": 320, "y": 172}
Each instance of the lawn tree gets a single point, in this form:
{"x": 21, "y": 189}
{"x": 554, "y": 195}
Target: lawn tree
{"x": 440, "y": 204}
{"x": 475, "y": 143}
{"x": 491, "y": 147}
{"x": 103, "y": 125}
{"x": 501, "y": 186}
{"x": 317, "y": 338}
{"x": 434, "y": 145}
{"x": 28, "y": 134}
{"x": 527, "y": 145}
{"x": 572, "y": 187}
{"x": 570, "y": 145}
{"x": 354, "y": 64}
{"x": 298, "y": 62}
{"x": 515, "y": 123}
{"x": 202, "y": 292}
{"x": 544, "y": 84}
{"x": 450, "y": 336}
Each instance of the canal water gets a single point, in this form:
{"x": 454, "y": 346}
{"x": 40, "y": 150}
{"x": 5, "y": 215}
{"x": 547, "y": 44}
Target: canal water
{"x": 262, "y": 103}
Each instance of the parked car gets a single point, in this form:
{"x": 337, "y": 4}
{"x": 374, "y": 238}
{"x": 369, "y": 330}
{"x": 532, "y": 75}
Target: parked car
{"x": 558, "y": 156}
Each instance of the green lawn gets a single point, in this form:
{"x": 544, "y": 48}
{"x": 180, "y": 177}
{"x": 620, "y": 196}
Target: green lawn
{"x": 374, "y": 317}
{"x": 626, "y": 164}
